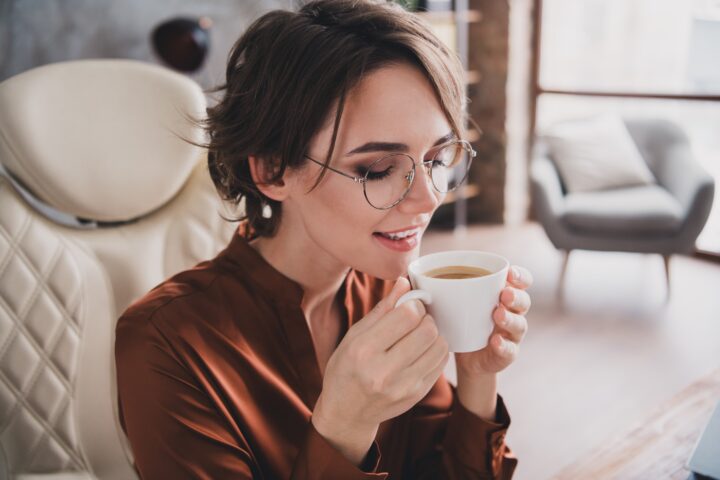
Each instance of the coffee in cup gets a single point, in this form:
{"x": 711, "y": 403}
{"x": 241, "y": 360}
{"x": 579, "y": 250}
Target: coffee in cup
{"x": 457, "y": 272}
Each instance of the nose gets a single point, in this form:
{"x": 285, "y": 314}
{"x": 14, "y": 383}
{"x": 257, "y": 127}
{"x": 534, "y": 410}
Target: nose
{"x": 422, "y": 197}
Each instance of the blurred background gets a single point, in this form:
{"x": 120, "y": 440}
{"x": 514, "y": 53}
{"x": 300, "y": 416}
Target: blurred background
{"x": 596, "y": 170}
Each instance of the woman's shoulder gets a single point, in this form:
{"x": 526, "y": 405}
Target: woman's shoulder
{"x": 187, "y": 301}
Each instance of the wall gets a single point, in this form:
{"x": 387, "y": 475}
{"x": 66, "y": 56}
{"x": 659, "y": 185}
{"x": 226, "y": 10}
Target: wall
{"x": 38, "y": 32}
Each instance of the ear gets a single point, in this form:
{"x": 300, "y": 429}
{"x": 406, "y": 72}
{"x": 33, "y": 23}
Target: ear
{"x": 261, "y": 170}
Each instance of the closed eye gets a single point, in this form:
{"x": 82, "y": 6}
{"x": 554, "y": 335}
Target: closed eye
{"x": 376, "y": 175}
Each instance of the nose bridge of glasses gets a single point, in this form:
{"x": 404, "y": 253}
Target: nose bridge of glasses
{"x": 426, "y": 179}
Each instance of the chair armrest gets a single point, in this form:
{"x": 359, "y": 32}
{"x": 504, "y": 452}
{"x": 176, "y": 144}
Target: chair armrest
{"x": 547, "y": 194}
{"x": 687, "y": 181}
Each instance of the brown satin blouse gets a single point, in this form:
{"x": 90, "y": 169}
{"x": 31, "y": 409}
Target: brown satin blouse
{"x": 217, "y": 379}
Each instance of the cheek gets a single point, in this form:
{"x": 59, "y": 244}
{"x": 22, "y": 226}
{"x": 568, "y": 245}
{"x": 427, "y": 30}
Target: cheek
{"x": 343, "y": 211}
{"x": 340, "y": 222}
{"x": 350, "y": 211}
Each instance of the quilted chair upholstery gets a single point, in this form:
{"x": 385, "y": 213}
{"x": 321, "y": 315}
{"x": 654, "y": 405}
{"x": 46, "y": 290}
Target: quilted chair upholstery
{"x": 100, "y": 201}
{"x": 663, "y": 218}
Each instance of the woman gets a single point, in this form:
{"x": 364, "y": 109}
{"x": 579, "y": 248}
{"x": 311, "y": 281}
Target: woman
{"x": 284, "y": 356}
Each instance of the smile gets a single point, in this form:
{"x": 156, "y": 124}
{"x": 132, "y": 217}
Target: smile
{"x": 402, "y": 240}
{"x": 399, "y": 235}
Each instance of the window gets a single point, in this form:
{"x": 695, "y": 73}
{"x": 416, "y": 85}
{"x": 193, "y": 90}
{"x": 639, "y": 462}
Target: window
{"x": 644, "y": 46}
{"x": 641, "y": 58}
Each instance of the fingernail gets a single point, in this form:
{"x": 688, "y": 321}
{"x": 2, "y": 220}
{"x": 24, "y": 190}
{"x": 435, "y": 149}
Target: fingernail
{"x": 513, "y": 297}
{"x": 503, "y": 317}
{"x": 515, "y": 273}
{"x": 517, "y": 303}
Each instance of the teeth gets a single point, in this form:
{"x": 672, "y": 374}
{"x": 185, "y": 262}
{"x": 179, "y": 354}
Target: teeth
{"x": 399, "y": 235}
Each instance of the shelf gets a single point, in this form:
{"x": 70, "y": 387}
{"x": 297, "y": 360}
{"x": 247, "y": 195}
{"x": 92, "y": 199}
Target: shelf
{"x": 450, "y": 27}
{"x": 446, "y": 215}
{"x": 470, "y": 16}
{"x": 473, "y": 135}
{"x": 472, "y": 77}
{"x": 466, "y": 191}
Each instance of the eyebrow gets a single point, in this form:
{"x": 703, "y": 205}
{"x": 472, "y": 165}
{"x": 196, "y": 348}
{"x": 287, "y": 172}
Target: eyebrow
{"x": 394, "y": 147}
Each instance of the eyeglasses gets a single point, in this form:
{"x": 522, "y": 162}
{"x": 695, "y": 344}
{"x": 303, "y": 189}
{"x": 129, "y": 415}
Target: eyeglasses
{"x": 387, "y": 180}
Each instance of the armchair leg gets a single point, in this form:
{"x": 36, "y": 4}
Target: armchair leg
{"x": 666, "y": 260}
{"x": 563, "y": 269}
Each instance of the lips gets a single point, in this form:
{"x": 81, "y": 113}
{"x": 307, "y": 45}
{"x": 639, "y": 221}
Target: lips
{"x": 401, "y": 240}
{"x": 399, "y": 234}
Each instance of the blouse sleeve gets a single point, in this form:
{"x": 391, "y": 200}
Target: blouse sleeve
{"x": 456, "y": 444}
{"x": 175, "y": 430}
{"x": 319, "y": 460}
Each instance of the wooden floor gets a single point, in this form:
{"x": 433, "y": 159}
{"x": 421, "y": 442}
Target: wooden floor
{"x": 608, "y": 351}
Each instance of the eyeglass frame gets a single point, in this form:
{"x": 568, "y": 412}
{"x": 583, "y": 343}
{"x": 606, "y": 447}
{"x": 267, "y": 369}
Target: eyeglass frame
{"x": 427, "y": 164}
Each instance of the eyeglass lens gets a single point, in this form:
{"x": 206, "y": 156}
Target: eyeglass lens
{"x": 389, "y": 179}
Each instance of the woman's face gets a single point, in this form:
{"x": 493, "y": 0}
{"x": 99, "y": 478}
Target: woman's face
{"x": 395, "y": 104}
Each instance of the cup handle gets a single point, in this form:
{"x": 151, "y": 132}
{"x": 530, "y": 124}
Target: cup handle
{"x": 422, "y": 295}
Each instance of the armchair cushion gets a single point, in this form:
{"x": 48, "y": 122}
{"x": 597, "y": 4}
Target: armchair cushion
{"x": 639, "y": 210}
{"x": 596, "y": 153}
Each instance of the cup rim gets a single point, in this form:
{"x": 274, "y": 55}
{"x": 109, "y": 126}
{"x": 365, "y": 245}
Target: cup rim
{"x": 412, "y": 268}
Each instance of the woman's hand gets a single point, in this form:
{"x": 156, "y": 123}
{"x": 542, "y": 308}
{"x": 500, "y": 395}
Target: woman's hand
{"x": 510, "y": 328}
{"x": 385, "y": 364}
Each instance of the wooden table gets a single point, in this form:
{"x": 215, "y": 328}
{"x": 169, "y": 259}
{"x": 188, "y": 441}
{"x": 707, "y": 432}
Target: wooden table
{"x": 658, "y": 448}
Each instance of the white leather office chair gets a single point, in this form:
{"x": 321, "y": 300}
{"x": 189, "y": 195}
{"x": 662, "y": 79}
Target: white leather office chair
{"x": 95, "y": 140}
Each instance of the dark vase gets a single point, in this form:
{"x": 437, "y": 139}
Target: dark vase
{"x": 182, "y": 43}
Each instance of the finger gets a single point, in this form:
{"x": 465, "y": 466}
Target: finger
{"x": 412, "y": 346}
{"x": 418, "y": 385}
{"x": 432, "y": 377}
{"x": 515, "y": 300}
{"x": 519, "y": 277}
{"x": 401, "y": 287}
{"x": 396, "y": 324}
{"x": 432, "y": 361}
{"x": 504, "y": 349}
{"x": 515, "y": 325}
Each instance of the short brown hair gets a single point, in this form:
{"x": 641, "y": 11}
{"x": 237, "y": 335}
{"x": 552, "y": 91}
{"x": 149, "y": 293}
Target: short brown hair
{"x": 287, "y": 71}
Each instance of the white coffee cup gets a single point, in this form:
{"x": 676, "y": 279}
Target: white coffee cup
{"x": 462, "y": 308}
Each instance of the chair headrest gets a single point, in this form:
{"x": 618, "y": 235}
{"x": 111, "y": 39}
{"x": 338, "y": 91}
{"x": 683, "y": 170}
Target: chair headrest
{"x": 100, "y": 139}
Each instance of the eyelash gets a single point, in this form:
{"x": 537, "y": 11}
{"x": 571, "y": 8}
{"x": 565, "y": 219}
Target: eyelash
{"x": 361, "y": 171}
{"x": 378, "y": 175}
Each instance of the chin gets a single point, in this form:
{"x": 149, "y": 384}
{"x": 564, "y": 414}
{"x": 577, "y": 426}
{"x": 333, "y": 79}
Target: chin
{"x": 387, "y": 264}
{"x": 392, "y": 269}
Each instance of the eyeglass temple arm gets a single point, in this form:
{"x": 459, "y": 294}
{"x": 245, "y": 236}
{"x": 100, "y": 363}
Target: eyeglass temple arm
{"x": 354, "y": 179}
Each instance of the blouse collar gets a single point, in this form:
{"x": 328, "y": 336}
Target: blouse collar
{"x": 277, "y": 286}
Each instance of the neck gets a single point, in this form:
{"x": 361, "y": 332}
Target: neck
{"x": 300, "y": 259}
